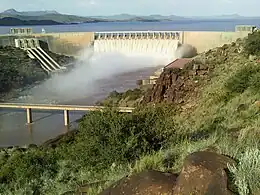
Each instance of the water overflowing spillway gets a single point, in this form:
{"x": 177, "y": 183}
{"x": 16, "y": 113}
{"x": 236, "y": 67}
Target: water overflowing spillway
{"x": 156, "y": 44}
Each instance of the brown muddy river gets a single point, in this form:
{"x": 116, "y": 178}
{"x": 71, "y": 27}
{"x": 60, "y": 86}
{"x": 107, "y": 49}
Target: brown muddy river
{"x": 47, "y": 124}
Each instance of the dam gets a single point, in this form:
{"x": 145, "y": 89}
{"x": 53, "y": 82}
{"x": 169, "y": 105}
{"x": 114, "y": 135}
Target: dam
{"x": 151, "y": 43}
{"x": 162, "y": 43}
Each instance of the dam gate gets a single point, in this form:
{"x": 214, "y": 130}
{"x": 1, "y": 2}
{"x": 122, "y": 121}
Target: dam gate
{"x": 158, "y": 44}
{"x": 169, "y": 35}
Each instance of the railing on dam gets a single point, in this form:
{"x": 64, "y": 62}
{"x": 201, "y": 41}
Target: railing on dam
{"x": 138, "y": 35}
{"x": 65, "y": 108}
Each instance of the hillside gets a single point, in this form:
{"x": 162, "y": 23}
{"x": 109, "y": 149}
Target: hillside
{"x": 11, "y": 21}
{"x": 28, "y": 13}
{"x": 46, "y": 16}
{"x": 210, "y": 105}
{"x": 53, "y": 15}
{"x": 17, "y": 70}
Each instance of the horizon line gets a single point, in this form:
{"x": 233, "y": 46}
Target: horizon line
{"x": 132, "y": 14}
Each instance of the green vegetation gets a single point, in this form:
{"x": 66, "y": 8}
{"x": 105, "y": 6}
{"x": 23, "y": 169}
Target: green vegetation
{"x": 109, "y": 145}
{"x": 17, "y": 69}
{"x": 130, "y": 98}
{"x": 252, "y": 45}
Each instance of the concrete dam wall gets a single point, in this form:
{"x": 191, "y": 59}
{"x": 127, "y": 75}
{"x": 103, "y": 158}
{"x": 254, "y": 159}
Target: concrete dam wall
{"x": 204, "y": 40}
{"x": 156, "y": 44}
{"x": 162, "y": 43}
{"x": 72, "y": 43}
{"x": 69, "y": 43}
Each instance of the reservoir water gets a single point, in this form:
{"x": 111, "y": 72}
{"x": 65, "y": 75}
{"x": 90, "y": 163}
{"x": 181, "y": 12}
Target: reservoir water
{"x": 187, "y": 25}
{"x": 89, "y": 83}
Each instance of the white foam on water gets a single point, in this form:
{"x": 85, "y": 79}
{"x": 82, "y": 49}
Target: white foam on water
{"x": 81, "y": 81}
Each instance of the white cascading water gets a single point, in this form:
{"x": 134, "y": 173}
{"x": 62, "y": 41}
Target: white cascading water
{"x": 161, "y": 48}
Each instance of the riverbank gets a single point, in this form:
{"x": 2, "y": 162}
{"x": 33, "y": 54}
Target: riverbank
{"x": 212, "y": 104}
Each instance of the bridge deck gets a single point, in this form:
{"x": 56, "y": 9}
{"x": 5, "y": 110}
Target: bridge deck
{"x": 59, "y": 107}
{"x": 65, "y": 108}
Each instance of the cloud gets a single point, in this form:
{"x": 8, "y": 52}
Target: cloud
{"x": 87, "y": 3}
{"x": 92, "y": 2}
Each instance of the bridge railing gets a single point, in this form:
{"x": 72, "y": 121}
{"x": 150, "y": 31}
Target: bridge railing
{"x": 65, "y": 108}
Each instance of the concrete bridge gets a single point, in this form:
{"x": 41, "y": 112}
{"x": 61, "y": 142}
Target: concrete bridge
{"x": 65, "y": 108}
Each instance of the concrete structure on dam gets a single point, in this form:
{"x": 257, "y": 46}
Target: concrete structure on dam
{"x": 70, "y": 43}
{"x": 34, "y": 51}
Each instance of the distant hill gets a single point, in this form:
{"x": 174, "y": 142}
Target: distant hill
{"x": 9, "y": 21}
{"x": 68, "y": 19}
{"x": 45, "y": 15}
{"x": 123, "y": 17}
{"x": 28, "y": 13}
{"x": 53, "y": 17}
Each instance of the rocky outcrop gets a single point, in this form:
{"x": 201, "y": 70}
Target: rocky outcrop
{"x": 179, "y": 85}
{"x": 62, "y": 60}
{"x": 145, "y": 183}
{"x": 17, "y": 69}
{"x": 203, "y": 173}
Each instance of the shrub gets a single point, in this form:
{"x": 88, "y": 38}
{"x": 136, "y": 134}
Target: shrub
{"x": 252, "y": 43}
{"x": 246, "y": 173}
{"x": 108, "y": 137}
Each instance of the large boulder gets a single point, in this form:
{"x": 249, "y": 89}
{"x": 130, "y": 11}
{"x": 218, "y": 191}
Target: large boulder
{"x": 203, "y": 173}
{"x": 145, "y": 183}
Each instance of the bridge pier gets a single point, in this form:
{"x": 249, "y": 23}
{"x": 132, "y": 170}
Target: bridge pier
{"x": 64, "y": 108}
{"x": 66, "y": 118}
{"x": 29, "y": 115}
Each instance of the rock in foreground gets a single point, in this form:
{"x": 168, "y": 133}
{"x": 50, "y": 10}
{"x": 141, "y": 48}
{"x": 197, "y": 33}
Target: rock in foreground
{"x": 203, "y": 173}
{"x": 144, "y": 183}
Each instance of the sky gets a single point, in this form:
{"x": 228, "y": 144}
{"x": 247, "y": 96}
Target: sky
{"x": 138, "y": 7}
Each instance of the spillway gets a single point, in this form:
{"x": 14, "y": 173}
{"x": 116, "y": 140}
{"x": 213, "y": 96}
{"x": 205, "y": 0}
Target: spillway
{"x": 156, "y": 44}
{"x": 34, "y": 51}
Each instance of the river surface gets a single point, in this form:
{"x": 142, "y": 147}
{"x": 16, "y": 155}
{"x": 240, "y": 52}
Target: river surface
{"x": 66, "y": 90}
{"x": 48, "y": 124}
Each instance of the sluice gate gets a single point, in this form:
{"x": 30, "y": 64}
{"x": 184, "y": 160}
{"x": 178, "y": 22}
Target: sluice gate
{"x": 161, "y": 44}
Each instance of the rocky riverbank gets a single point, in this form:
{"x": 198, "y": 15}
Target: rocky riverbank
{"x": 17, "y": 70}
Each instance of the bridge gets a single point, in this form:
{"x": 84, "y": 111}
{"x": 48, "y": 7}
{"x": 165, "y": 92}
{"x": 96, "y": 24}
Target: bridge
{"x": 65, "y": 108}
